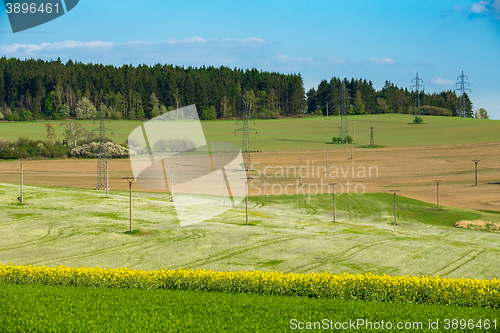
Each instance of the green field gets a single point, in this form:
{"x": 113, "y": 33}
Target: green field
{"x": 36, "y": 308}
{"x": 78, "y": 227}
{"x": 313, "y": 133}
{"x": 289, "y": 233}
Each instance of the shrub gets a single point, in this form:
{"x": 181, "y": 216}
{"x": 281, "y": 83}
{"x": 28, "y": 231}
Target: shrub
{"x": 209, "y": 113}
{"x": 348, "y": 139}
{"x": 91, "y": 150}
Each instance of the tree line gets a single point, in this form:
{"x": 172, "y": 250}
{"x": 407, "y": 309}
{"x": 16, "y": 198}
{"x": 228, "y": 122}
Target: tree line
{"x": 53, "y": 90}
{"x": 363, "y": 98}
{"x": 37, "y": 89}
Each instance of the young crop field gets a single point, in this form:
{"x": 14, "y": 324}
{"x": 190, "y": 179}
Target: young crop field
{"x": 289, "y": 233}
{"x": 36, "y": 308}
{"x": 299, "y": 134}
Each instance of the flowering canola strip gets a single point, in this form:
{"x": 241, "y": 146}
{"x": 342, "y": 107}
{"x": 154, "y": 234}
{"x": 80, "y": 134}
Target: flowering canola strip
{"x": 404, "y": 289}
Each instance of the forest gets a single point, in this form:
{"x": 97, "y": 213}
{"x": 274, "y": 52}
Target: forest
{"x": 37, "y": 89}
{"x": 364, "y": 99}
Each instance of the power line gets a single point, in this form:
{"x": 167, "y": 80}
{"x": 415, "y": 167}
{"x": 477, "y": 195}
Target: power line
{"x": 245, "y": 147}
{"x": 102, "y": 170}
{"x": 461, "y": 111}
{"x": 417, "y": 93}
{"x": 344, "y": 127}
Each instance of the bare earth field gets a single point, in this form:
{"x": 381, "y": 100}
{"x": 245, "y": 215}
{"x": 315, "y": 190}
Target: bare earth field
{"x": 410, "y": 169}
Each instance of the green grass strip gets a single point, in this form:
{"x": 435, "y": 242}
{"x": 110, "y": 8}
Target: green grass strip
{"x": 38, "y": 308}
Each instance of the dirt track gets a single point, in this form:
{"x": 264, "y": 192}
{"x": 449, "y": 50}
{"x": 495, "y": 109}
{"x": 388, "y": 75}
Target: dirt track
{"x": 412, "y": 170}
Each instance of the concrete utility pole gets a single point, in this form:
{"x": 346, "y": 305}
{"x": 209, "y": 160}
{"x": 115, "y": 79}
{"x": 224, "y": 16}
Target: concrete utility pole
{"x": 334, "y": 207}
{"x": 107, "y": 187}
{"x": 476, "y": 161}
{"x": 246, "y": 193}
{"x": 171, "y": 181}
{"x": 21, "y": 196}
{"x": 300, "y": 168}
{"x": 130, "y": 181}
{"x": 371, "y": 136}
{"x": 326, "y": 110}
{"x": 172, "y": 186}
{"x": 326, "y": 162}
{"x": 265, "y": 184}
{"x": 225, "y": 177}
{"x": 395, "y": 213}
{"x": 352, "y": 145}
{"x": 437, "y": 188}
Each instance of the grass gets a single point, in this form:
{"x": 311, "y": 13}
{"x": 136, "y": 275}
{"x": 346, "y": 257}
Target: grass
{"x": 35, "y": 308}
{"x": 79, "y": 227}
{"x": 313, "y": 133}
{"x": 377, "y": 206}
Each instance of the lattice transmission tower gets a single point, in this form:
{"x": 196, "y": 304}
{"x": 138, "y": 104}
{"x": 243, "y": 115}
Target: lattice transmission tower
{"x": 344, "y": 128}
{"x": 101, "y": 182}
{"x": 245, "y": 145}
{"x": 417, "y": 87}
{"x": 462, "y": 112}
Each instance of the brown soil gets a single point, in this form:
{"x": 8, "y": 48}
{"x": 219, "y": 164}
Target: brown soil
{"x": 478, "y": 225}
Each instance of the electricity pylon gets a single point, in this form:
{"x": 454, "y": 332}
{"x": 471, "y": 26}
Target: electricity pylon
{"x": 417, "y": 93}
{"x": 101, "y": 182}
{"x": 245, "y": 145}
{"x": 461, "y": 111}
{"x": 344, "y": 127}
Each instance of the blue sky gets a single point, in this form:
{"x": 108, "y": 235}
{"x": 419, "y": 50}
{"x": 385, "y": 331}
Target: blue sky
{"x": 375, "y": 40}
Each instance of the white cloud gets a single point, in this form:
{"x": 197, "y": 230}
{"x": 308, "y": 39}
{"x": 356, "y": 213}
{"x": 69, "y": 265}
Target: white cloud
{"x": 487, "y": 7}
{"x": 297, "y": 62}
{"x": 480, "y": 7}
{"x": 251, "y": 40}
{"x": 70, "y": 44}
{"x": 293, "y": 60}
{"x": 496, "y": 8}
{"x": 336, "y": 61}
{"x": 191, "y": 51}
{"x": 189, "y": 40}
{"x": 382, "y": 61}
{"x": 440, "y": 82}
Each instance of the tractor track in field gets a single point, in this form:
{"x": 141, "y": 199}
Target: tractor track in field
{"x": 409, "y": 214}
{"x": 120, "y": 248}
{"x": 309, "y": 210}
{"x": 352, "y": 210}
{"x": 86, "y": 254}
{"x": 349, "y": 207}
{"x": 338, "y": 257}
{"x": 221, "y": 255}
{"x": 138, "y": 256}
{"x": 48, "y": 237}
{"x": 460, "y": 262}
